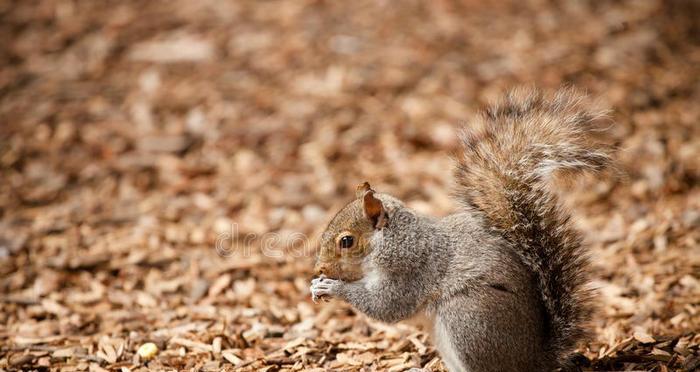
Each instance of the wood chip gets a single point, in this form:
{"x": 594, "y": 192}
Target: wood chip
{"x": 191, "y": 344}
{"x": 231, "y": 357}
{"x": 643, "y": 337}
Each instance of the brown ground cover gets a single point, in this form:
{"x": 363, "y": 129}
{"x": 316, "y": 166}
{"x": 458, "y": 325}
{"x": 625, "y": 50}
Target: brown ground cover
{"x": 165, "y": 167}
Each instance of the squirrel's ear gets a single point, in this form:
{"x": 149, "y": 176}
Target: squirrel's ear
{"x": 373, "y": 209}
{"x": 362, "y": 189}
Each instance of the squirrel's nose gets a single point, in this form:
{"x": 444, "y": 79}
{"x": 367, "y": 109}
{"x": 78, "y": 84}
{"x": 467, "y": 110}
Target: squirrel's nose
{"x": 320, "y": 269}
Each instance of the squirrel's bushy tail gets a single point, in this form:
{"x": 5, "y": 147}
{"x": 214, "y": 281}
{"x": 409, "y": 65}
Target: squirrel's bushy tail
{"x": 508, "y": 158}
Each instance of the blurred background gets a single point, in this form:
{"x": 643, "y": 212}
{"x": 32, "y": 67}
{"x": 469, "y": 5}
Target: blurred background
{"x": 150, "y": 151}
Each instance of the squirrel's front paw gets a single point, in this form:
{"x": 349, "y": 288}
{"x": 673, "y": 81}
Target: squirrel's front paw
{"x": 323, "y": 287}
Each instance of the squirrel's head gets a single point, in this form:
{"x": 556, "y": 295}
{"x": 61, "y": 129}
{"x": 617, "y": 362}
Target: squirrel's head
{"x": 347, "y": 239}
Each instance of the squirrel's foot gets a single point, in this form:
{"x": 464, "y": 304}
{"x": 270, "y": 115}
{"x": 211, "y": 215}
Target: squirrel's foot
{"x": 323, "y": 287}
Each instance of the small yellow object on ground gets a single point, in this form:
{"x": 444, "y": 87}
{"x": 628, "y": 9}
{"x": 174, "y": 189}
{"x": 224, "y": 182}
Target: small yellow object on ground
{"x": 148, "y": 350}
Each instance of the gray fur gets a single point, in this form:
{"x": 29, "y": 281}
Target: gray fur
{"x": 504, "y": 279}
{"x": 461, "y": 275}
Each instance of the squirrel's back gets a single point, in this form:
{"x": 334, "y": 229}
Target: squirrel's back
{"x": 508, "y": 158}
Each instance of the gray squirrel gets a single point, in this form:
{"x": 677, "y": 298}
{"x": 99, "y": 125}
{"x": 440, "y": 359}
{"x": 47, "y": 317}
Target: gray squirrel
{"x": 504, "y": 281}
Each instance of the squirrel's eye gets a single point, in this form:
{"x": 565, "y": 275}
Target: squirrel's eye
{"x": 346, "y": 241}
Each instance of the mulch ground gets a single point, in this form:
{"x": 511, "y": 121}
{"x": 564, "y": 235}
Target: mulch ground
{"x": 166, "y": 167}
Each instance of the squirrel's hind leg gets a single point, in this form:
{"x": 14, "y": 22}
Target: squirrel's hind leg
{"x": 449, "y": 351}
{"x": 488, "y": 330}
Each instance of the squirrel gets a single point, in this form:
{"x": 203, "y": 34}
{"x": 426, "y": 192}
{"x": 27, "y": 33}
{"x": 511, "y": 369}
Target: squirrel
{"x": 505, "y": 279}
